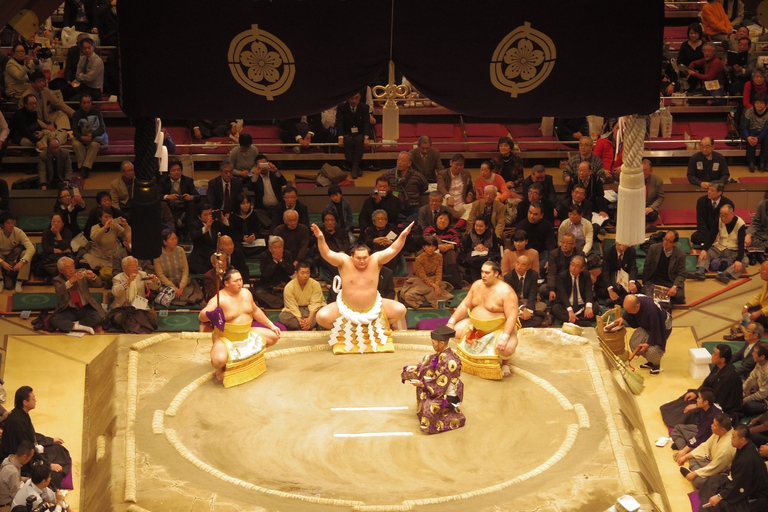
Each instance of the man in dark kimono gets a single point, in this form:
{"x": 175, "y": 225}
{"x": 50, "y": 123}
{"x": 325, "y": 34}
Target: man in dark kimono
{"x": 18, "y": 427}
{"x": 746, "y": 488}
{"x": 439, "y": 391}
{"x": 723, "y": 380}
{"x": 652, "y": 327}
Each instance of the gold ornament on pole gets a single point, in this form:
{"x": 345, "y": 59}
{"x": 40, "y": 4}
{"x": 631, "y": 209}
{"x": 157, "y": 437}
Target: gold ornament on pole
{"x": 390, "y": 129}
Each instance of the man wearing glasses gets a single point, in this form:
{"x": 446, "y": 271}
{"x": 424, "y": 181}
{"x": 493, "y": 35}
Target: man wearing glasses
{"x": 707, "y": 166}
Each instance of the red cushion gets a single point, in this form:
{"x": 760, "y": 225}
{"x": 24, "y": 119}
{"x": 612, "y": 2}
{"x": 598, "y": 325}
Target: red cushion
{"x": 486, "y": 130}
{"x": 714, "y": 129}
{"x": 551, "y": 145}
{"x": 745, "y": 215}
{"x": 435, "y": 130}
{"x": 679, "y": 181}
{"x": 675, "y": 33}
{"x": 677, "y": 217}
{"x": 263, "y": 132}
{"x": 524, "y": 130}
{"x": 753, "y": 179}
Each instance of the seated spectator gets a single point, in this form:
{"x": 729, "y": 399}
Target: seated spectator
{"x": 342, "y": 208}
{"x": 685, "y": 437}
{"x": 380, "y": 235}
{"x": 205, "y": 128}
{"x": 89, "y": 132}
{"x": 290, "y": 202}
{"x": 246, "y": 227}
{"x": 584, "y": 155}
{"x": 4, "y": 132}
{"x": 754, "y": 128}
{"x": 295, "y": 236}
{"x": 52, "y": 112}
{"x": 17, "y": 71}
{"x": 125, "y": 249}
{"x": 577, "y": 195}
{"x": 303, "y": 297}
{"x": 90, "y": 71}
{"x": 593, "y": 187}
{"x": 54, "y": 167}
{"x": 407, "y": 184}
{"x": 489, "y": 207}
{"x": 708, "y": 69}
{"x": 758, "y": 427}
{"x": 753, "y": 87}
{"x": 715, "y": 22}
{"x": 10, "y": 471}
{"x": 752, "y": 333}
{"x": 618, "y": 257}
{"x": 448, "y": 246}
{"x": 56, "y": 242}
{"x": 573, "y": 302}
{"x": 559, "y": 260}
{"x": 68, "y": 207}
{"x": 741, "y": 63}
{"x": 16, "y": 252}
{"x": 582, "y": 232}
{"x": 243, "y": 157}
{"x": 172, "y": 270}
{"x": 37, "y": 490}
{"x": 707, "y": 166}
{"x": 337, "y": 239}
{"x": 665, "y": 266}
{"x": 757, "y": 306}
{"x": 277, "y": 270}
{"x": 524, "y": 281}
{"x": 756, "y": 240}
{"x": 508, "y": 165}
{"x": 654, "y": 194}
{"x": 725, "y": 384}
{"x": 230, "y": 257}
{"x": 267, "y": 186}
{"x": 224, "y": 188}
{"x": 26, "y": 129}
{"x": 691, "y": 50}
{"x": 204, "y": 233}
{"x": 541, "y": 232}
{"x": 727, "y": 254}
{"x": 429, "y": 212}
{"x": 605, "y": 150}
{"x": 708, "y": 214}
{"x": 711, "y": 457}
{"x": 571, "y": 129}
{"x": 488, "y": 177}
{"x": 180, "y": 194}
{"x": 130, "y": 309}
{"x": 535, "y": 195}
{"x": 520, "y": 244}
{"x": 479, "y": 245}
{"x": 426, "y": 159}
{"x": 428, "y": 285}
{"x": 104, "y": 243}
{"x": 381, "y": 199}
{"x": 539, "y": 175}
{"x": 121, "y": 189}
{"x": 454, "y": 185}
{"x": 756, "y": 385}
{"x": 104, "y": 201}
{"x": 303, "y": 131}
{"x": 77, "y": 309}
{"x": 352, "y": 127}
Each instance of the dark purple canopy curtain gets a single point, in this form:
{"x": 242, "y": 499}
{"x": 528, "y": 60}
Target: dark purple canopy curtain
{"x": 565, "y": 58}
{"x": 260, "y": 59}
{"x": 252, "y": 59}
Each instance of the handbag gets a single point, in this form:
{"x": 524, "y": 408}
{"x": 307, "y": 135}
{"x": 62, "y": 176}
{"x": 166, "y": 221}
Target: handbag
{"x": 165, "y": 296}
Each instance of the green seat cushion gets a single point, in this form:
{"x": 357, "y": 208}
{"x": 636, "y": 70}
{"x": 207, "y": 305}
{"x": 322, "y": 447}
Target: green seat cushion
{"x": 254, "y": 267}
{"x": 35, "y": 301}
{"x": 34, "y": 223}
{"x": 458, "y": 296}
{"x": 316, "y": 218}
{"x": 178, "y": 322}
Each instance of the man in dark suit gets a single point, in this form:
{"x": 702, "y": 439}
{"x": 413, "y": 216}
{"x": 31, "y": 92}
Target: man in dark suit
{"x": 574, "y": 306}
{"x": 665, "y": 266}
{"x": 267, "y": 187}
{"x": 593, "y": 187}
{"x": 654, "y": 193}
{"x": 223, "y": 189}
{"x": 577, "y": 196}
{"x": 54, "y": 166}
{"x": 429, "y": 212}
{"x": 77, "y": 309}
{"x": 534, "y": 195}
{"x": 426, "y": 159}
{"x": 303, "y": 131}
{"x": 231, "y": 257}
{"x": 445, "y": 181}
{"x": 708, "y": 214}
{"x": 290, "y": 202}
{"x": 559, "y": 260}
{"x": 539, "y": 175}
{"x": 752, "y": 334}
{"x": 381, "y": 199}
{"x": 352, "y": 126}
{"x": 179, "y": 193}
{"x": 204, "y": 232}
{"x": 276, "y": 270}
{"x": 618, "y": 257}
{"x": 524, "y": 281}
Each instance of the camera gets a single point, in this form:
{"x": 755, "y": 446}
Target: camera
{"x": 42, "y": 53}
{"x": 216, "y": 214}
{"x": 42, "y": 507}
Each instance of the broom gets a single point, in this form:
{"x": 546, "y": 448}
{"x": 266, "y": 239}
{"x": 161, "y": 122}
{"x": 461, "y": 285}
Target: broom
{"x": 635, "y": 382}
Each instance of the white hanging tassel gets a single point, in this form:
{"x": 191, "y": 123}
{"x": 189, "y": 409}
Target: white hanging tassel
{"x": 630, "y": 218}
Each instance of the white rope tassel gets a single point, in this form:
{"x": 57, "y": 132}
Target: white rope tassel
{"x": 630, "y": 221}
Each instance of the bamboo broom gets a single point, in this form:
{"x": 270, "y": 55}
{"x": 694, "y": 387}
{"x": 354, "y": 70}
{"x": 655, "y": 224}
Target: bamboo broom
{"x": 635, "y": 382}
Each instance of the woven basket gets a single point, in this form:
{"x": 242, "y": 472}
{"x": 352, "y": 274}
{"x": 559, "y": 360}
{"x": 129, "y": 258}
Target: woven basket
{"x": 245, "y": 370}
{"x": 485, "y": 367}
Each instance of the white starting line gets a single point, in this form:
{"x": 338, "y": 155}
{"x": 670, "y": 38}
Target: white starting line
{"x": 375, "y": 434}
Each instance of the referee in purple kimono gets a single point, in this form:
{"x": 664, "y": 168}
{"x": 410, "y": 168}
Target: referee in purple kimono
{"x": 652, "y": 327}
